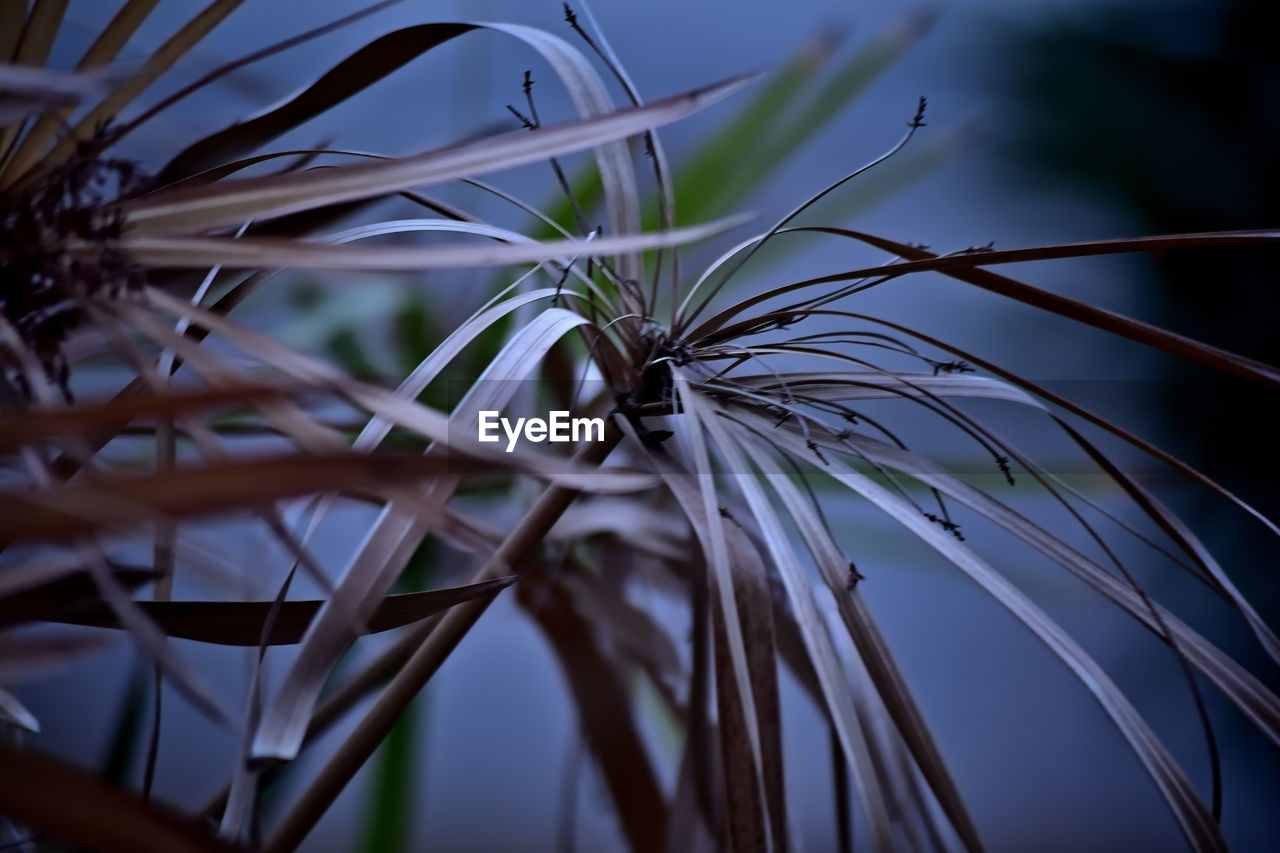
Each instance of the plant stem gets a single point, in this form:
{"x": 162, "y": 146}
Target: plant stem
{"x": 418, "y": 669}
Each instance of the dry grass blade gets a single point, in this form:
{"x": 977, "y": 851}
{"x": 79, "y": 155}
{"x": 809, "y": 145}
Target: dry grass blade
{"x": 818, "y": 644}
{"x": 244, "y": 623}
{"x": 26, "y": 90}
{"x": 26, "y": 655}
{"x": 40, "y": 30}
{"x": 388, "y": 546}
{"x": 703, "y": 508}
{"x": 756, "y": 808}
{"x": 366, "y": 66}
{"x": 1253, "y": 698}
{"x": 94, "y": 419}
{"x": 36, "y": 790}
{"x": 935, "y": 476}
{"x": 270, "y": 253}
{"x": 385, "y": 404}
{"x": 604, "y": 711}
{"x": 589, "y": 95}
{"x": 160, "y": 61}
{"x": 874, "y": 651}
{"x": 963, "y": 267}
{"x": 28, "y": 593}
{"x": 11, "y": 18}
{"x": 1193, "y": 817}
{"x": 746, "y": 822}
{"x": 425, "y": 660}
{"x": 104, "y": 49}
{"x": 752, "y": 824}
{"x": 1043, "y": 393}
{"x": 1186, "y": 540}
{"x": 865, "y": 385}
{"x": 233, "y": 202}
{"x": 15, "y": 713}
{"x": 1107, "y": 320}
{"x": 69, "y": 511}
{"x": 32, "y": 39}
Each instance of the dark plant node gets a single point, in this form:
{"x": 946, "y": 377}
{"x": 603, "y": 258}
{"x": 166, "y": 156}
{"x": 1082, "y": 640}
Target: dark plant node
{"x": 813, "y": 445}
{"x": 946, "y": 524}
{"x": 950, "y": 367}
{"x": 854, "y": 577}
{"x": 40, "y": 284}
{"x": 522, "y": 118}
{"x": 918, "y": 119}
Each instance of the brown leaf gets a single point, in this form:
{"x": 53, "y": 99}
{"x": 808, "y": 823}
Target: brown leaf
{"x": 18, "y": 428}
{"x": 241, "y": 623}
{"x": 88, "y": 507}
{"x": 66, "y": 803}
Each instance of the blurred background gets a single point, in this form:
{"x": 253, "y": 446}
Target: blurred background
{"x": 1049, "y": 121}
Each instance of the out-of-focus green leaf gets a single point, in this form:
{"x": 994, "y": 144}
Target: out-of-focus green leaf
{"x": 121, "y": 752}
{"x": 701, "y": 181}
{"x": 783, "y": 133}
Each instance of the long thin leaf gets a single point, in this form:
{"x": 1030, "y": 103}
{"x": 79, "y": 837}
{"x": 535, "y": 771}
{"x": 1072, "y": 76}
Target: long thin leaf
{"x": 66, "y": 803}
{"x": 389, "y": 543}
{"x": 747, "y": 747}
{"x": 26, "y": 90}
{"x": 967, "y": 268}
{"x": 26, "y": 655}
{"x": 874, "y": 651}
{"x": 104, "y": 49}
{"x": 1259, "y": 705}
{"x": 270, "y": 253}
{"x": 83, "y": 508}
{"x": 23, "y": 427}
{"x": 406, "y": 414}
{"x": 160, "y": 61}
{"x": 233, "y": 202}
{"x": 39, "y": 32}
{"x": 15, "y": 713}
{"x": 11, "y": 17}
{"x": 425, "y": 660}
{"x": 813, "y": 629}
{"x": 371, "y": 63}
{"x": 605, "y": 712}
{"x": 244, "y": 623}
{"x": 935, "y": 476}
{"x": 28, "y": 593}
{"x": 1193, "y": 817}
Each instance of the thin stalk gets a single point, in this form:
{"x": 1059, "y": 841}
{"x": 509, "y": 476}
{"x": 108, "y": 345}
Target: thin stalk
{"x": 378, "y": 721}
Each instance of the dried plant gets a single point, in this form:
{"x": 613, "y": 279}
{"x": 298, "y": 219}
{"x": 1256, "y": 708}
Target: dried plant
{"x": 731, "y": 420}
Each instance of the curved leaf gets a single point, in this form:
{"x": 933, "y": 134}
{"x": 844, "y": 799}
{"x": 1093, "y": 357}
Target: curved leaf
{"x": 241, "y": 623}
{"x": 231, "y": 203}
{"x": 84, "y": 508}
{"x": 68, "y": 804}
{"x": 366, "y": 66}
